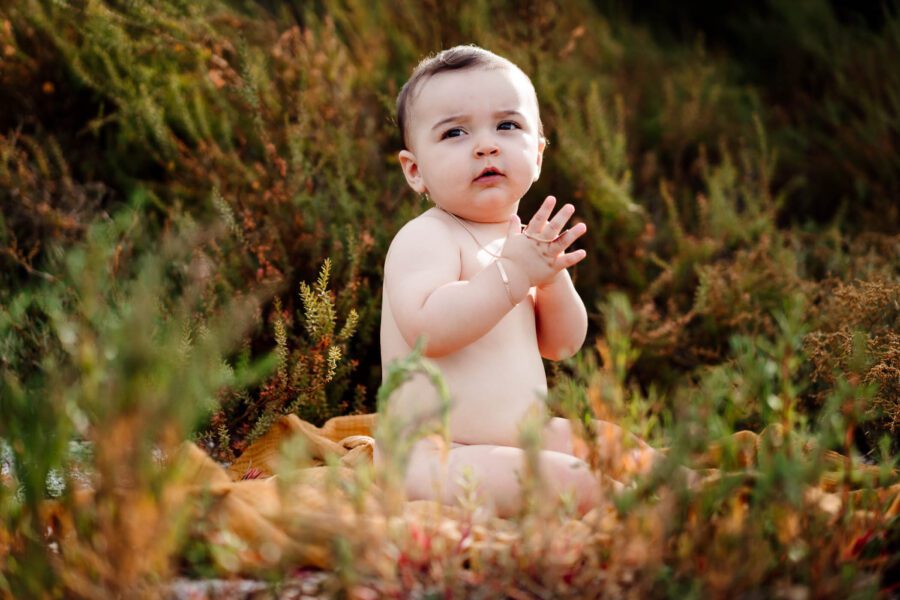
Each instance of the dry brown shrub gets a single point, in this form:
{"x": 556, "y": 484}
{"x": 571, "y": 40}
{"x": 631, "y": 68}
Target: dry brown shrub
{"x": 859, "y": 335}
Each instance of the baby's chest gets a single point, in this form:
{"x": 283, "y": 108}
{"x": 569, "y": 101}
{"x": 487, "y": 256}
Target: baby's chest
{"x": 474, "y": 261}
{"x": 477, "y": 254}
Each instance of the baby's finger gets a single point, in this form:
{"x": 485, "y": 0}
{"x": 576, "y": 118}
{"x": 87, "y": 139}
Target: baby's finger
{"x": 564, "y": 261}
{"x": 559, "y": 220}
{"x": 570, "y": 235}
{"x": 537, "y": 222}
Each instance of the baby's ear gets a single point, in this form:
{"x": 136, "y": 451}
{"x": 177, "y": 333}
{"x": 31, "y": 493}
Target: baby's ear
{"x": 540, "y": 157}
{"x": 411, "y": 171}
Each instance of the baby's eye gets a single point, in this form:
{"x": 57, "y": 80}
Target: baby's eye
{"x": 452, "y": 133}
{"x": 508, "y": 125}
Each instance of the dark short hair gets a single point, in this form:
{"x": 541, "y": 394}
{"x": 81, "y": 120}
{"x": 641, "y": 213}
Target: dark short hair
{"x": 452, "y": 59}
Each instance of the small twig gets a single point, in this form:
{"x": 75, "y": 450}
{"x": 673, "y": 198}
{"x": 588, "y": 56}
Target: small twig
{"x": 27, "y": 266}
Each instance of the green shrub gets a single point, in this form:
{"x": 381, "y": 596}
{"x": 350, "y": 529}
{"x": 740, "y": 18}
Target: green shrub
{"x": 300, "y": 382}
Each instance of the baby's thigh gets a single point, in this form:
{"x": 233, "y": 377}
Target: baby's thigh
{"x": 496, "y": 472}
{"x": 611, "y": 439}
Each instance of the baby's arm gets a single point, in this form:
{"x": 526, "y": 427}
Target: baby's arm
{"x": 421, "y": 281}
{"x": 560, "y": 315}
{"x": 561, "y": 318}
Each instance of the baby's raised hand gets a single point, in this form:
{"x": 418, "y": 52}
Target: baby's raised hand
{"x": 539, "y": 249}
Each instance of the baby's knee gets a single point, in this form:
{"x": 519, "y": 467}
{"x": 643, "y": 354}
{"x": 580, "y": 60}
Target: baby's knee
{"x": 429, "y": 472}
{"x": 567, "y": 475}
{"x": 557, "y": 436}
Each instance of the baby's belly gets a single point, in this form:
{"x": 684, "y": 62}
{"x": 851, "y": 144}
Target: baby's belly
{"x": 494, "y": 383}
{"x": 492, "y": 394}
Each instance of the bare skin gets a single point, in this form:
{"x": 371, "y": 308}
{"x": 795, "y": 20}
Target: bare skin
{"x": 487, "y": 337}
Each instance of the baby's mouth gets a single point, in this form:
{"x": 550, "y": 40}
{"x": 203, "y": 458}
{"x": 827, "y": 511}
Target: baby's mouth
{"x": 489, "y": 173}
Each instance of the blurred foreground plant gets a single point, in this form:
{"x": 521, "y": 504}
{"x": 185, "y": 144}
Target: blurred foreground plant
{"x": 129, "y": 363}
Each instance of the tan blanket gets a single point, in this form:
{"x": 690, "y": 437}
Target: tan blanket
{"x": 300, "y": 518}
{"x": 265, "y": 511}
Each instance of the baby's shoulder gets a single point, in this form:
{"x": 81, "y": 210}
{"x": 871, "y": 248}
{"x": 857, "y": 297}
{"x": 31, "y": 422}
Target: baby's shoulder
{"x": 424, "y": 241}
{"x": 428, "y": 229}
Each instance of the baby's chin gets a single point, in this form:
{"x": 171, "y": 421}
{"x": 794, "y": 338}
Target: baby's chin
{"x": 482, "y": 208}
{"x": 481, "y": 217}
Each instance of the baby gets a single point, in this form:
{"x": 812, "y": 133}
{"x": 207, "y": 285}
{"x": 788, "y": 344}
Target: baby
{"x": 489, "y": 297}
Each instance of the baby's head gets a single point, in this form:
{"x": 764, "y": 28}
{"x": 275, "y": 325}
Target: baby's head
{"x": 462, "y": 113}
{"x": 458, "y": 58}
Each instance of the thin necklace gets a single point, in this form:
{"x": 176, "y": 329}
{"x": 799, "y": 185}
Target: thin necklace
{"x": 458, "y": 220}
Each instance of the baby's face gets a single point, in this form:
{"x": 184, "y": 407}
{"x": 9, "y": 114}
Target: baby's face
{"x": 466, "y": 125}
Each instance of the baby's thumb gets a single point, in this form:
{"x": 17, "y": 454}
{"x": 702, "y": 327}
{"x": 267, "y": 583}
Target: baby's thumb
{"x": 515, "y": 225}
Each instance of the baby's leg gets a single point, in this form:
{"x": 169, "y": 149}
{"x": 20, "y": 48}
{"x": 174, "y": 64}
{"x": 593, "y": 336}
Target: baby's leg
{"x": 622, "y": 455}
{"x": 497, "y": 471}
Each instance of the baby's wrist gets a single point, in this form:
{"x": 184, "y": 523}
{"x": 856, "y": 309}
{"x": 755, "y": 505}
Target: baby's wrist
{"x": 515, "y": 279}
{"x": 558, "y": 278}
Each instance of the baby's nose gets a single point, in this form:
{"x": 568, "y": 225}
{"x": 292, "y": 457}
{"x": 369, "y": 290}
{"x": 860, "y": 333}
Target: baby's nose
{"x": 487, "y": 149}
